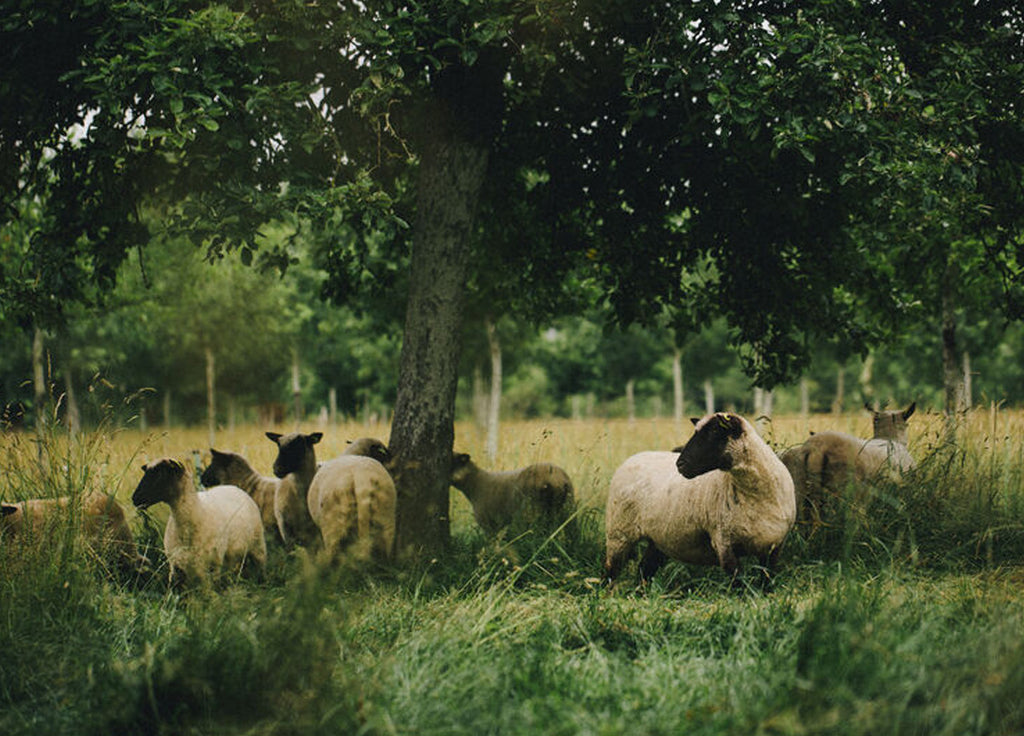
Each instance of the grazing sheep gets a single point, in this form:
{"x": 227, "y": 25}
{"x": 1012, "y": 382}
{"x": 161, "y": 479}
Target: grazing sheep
{"x": 831, "y": 461}
{"x": 351, "y": 499}
{"x": 723, "y": 495}
{"x": 539, "y": 494}
{"x": 295, "y": 465}
{"x": 206, "y": 532}
{"x": 101, "y": 519}
{"x": 230, "y": 468}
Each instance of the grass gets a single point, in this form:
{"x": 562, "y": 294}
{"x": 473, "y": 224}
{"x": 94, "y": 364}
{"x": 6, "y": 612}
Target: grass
{"x": 907, "y": 619}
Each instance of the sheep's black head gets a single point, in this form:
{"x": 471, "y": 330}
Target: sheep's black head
{"x": 161, "y": 481}
{"x": 891, "y": 425}
{"x": 708, "y": 449}
{"x": 460, "y": 462}
{"x": 370, "y": 447}
{"x": 223, "y": 466}
{"x": 293, "y": 451}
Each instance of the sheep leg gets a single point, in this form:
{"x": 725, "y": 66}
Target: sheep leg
{"x": 651, "y": 562}
{"x": 615, "y": 557}
{"x": 728, "y": 561}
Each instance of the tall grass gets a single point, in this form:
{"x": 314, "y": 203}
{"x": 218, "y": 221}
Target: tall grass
{"x": 905, "y": 617}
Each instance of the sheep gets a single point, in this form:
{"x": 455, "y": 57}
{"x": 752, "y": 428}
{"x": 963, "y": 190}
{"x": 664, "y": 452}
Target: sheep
{"x": 207, "y": 532}
{"x": 537, "y": 494}
{"x": 230, "y": 468}
{"x": 831, "y": 461}
{"x": 723, "y": 495}
{"x": 102, "y": 521}
{"x": 351, "y": 499}
{"x": 295, "y": 465}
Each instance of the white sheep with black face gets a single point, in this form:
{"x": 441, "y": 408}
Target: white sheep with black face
{"x": 230, "y": 468}
{"x": 350, "y": 500}
{"x": 721, "y": 496}
{"x": 540, "y": 495}
{"x": 208, "y": 532}
{"x": 830, "y": 462}
{"x": 295, "y": 466}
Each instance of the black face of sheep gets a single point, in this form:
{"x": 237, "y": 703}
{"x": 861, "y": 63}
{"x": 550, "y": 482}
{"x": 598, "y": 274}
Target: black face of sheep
{"x": 707, "y": 449}
{"x": 220, "y": 464}
{"x": 459, "y": 461}
{"x": 291, "y": 450}
{"x": 158, "y": 480}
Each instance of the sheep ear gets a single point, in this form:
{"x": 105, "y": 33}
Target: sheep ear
{"x": 910, "y": 410}
{"x": 694, "y": 420}
{"x": 315, "y": 437}
{"x": 274, "y": 437}
{"x": 6, "y": 509}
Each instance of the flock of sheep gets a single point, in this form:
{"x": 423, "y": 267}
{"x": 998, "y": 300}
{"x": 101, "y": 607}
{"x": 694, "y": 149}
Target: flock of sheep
{"x": 723, "y": 495}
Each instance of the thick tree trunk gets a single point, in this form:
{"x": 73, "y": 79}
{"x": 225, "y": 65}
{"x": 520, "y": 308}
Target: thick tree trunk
{"x": 494, "y": 402}
{"x": 451, "y": 177}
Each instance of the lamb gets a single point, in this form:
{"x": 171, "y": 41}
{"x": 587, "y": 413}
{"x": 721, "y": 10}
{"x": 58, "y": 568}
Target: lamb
{"x": 230, "y": 468}
{"x": 831, "y": 461}
{"x": 540, "y": 494}
{"x": 101, "y": 520}
{"x": 723, "y": 495}
{"x": 207, "y": 532}
{"x": 351, "y": 499}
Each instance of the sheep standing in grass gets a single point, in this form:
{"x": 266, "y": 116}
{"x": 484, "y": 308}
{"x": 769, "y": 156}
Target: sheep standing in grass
{"x": 100, "y": 517}
{"x": 207, "y": 532}
{"x": 351, "y": 499}
{"x": 725, "y": 494}
{"x": 537, "y": 495}
{"x": 230, "y": 468}
{"x": 828, "y": 462}
{"x": 295, "y": 465}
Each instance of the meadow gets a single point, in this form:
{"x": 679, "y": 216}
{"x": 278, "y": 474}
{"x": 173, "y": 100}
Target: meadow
{"x": 903, "y": 618}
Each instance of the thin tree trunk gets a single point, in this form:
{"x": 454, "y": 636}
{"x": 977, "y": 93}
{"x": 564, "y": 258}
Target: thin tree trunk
{"x": 952, "y": 377}
{"x": 678, "y": 407}
{"x": 479, "y": 398}
{"x": 211, "y": 396}
{"x": 332, "y": 406}
{"x": 296, "y": 389}
{"x": 630, "y": 400}
{"x": 709, "y": 397}
{"x": 39, "y": 379}
{"x": 494, "y": 402}
{"x": 968, "y": 398}
{"x": 805, "y": 397}
{"x": 74, "y": 417}
{"x": 451, "y": 176}
{"x": 840, "y": 398}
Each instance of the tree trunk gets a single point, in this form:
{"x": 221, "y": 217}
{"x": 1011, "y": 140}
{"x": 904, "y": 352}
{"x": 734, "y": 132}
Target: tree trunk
{"x": 38, "y": 379}
{"x": 709, "y": 397}
{"x": 968, "y": 391}
{"x": 677, "y": 387}
{"x": 211, "y": 397}
{"x": 72, "y": 414}
{"x": 494, "y": 402}
{"x": 840, "y": 399}
{"x": 479, "y": 398}
{"x": 451, "y": 176}
{"x": 332, "y": 406}
{"x": 805, "y": 398}
{"x": 296, "y": 389}
{"x": 630, "y": 400}
{"x": 952, "y": 377}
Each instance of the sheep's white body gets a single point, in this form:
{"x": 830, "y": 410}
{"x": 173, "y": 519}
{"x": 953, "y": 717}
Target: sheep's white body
{"x": 352, "y": 500}
{"x": 230, "y": 468}
{"x": 537, "y": 494}
{"x": 713, "y": 518}
{"x": 213, "y": 530}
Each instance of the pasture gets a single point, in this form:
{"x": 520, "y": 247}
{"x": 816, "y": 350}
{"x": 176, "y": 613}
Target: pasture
{"x": 905, "y": 617}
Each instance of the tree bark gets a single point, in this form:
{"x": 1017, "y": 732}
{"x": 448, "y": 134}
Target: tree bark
{"x": 451, "y": 176}
{"x": 38, "y": 379}
{"x": 952, "y": 377}
{"x": 494, "y": 401}
{"x": 630, "y": 400}
{"x": 709, "y": 397}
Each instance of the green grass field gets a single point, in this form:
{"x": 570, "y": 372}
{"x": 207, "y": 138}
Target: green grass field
{"x": 905, "y": 618}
